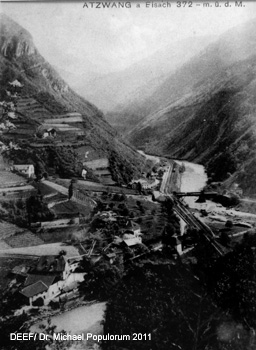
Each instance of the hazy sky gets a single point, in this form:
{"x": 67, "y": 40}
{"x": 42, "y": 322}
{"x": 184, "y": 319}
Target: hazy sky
{"x": 69, "y": 36}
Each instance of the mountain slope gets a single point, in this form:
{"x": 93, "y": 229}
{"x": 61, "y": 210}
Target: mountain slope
{"x": 233, "y": 46}
{"x": 206, "y": 111}
{"x": 46, "y": 95}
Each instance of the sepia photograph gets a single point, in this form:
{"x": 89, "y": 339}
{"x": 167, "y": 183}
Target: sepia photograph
{"x": 128, "y": 175}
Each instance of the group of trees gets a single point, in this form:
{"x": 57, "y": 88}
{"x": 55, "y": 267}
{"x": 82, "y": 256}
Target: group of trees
{"x": 37, "y": 210}
{"x": 122, "y": 170}
{"x": 233, "y": 281}
{"x": 50, "y": 159}
{"x": 164, "y": 303}
{"x": 221, "y": 166}
{"x": 102, "y": 279}
{"x": 15, "y": 212}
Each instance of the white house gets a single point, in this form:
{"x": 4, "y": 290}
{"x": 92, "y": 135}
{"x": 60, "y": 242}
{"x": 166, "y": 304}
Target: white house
{"x": 45, "y": 286}
{"x": 16, "y": 83}
{"x": 84, "y": 172}
{"x": 25, "y": 169}
{"x": 50, "y": 276}
{"x": 133, "y": 228}
{"x": 131, "y": 241}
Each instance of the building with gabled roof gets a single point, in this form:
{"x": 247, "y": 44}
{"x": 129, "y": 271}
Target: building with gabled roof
{"x": 21, "y": 270}
{"x": 132, "y": 227}
{"x": 25, "y": 169}
{"x": 16, "y": 83}
{"x": 49, "y": 276}
{"x": 132, "y": 241}
{"x": 35, "y": 290}
{"x": 46, "y": 279}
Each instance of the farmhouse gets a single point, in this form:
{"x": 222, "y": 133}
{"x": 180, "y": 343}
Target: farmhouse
{"x": 145, "y": 184}
{"x": 25, "y": 169}
{"x": 84, "y": 172}
{"x": 131, "y": 241}
{"x": 50, "y": 276}
{"x": 133, "y": 228}
{"x": 16, "y": 83}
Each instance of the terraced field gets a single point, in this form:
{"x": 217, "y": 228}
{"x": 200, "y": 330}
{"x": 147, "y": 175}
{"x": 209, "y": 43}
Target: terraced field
{"x": 77, "y": 119}
{"x": 32, "y": 109}
{"x": 26, "y": 239}
{"x": 8, "y": 179}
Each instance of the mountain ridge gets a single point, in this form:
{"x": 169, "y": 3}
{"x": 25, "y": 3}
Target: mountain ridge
{"x": 41, "y": 83}
{"x": 205, "y": 112}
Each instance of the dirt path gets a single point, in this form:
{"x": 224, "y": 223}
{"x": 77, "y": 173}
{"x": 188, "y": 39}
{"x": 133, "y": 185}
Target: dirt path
{"x": 78, "y": 320}
{"x": 59, "y": 188}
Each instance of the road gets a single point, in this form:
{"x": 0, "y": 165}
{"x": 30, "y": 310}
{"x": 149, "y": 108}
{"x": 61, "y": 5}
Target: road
{"x": 166, "y": 179}
{"x": 56, "y": 187}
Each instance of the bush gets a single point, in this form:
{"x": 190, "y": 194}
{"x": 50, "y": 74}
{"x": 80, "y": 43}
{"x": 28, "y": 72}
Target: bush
{"x": 229, "y": 223}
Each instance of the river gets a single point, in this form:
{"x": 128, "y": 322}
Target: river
{"x": 194, "y": 177}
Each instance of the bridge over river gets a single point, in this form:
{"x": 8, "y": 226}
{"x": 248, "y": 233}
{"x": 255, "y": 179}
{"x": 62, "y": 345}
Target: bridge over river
{"x": 196, "y": 194}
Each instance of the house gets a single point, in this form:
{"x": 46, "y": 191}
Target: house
{"x": 107, "y": 216}
{"x": 20, "y": 270}
{"x": 145, "y": 184}
{"x": 25, "y": 169}
{"x": 16, "y": 83}
{"x": 111, "y": 257}
{"x": 132, "y": 241}
{"x": 52, "y": 132}
{"x": 155, "y": 244}
{"x": 45, "y": 131}
{"x": 50, "y": 276}
{"x": 38, "y": 289}
{"x": 46, "y": 288}
{"x": 133, "y": 228}
{"x": 84, "y": 172}
{"x": 52, "y": 264}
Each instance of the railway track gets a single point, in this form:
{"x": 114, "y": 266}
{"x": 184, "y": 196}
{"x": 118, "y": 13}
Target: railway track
{"x": 193, "y": 221}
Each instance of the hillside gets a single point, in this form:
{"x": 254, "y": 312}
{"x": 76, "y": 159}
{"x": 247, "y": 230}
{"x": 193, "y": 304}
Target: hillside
{"x": 205, "y": 111}
{"x": 233, "y": 46}
{"x": 45, "y": 95}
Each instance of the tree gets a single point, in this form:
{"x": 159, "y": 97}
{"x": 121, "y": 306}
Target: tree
{"x": 70, "y": 190}
{"x": 233, "y": 281}
{"x": 229, "y": 223}
{"x": 101, "y": 280}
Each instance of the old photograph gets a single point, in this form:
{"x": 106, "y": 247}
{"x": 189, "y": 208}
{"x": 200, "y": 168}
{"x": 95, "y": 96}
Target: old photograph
{"x": 128, "y": 175}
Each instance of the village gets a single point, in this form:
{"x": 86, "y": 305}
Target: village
{"x": 84, "y": 225}
{"x": 67, "y": 240}
{"x": 55, "y": 230}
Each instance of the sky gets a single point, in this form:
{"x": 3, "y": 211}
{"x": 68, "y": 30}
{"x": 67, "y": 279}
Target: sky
{"x": 73, "y": 37}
